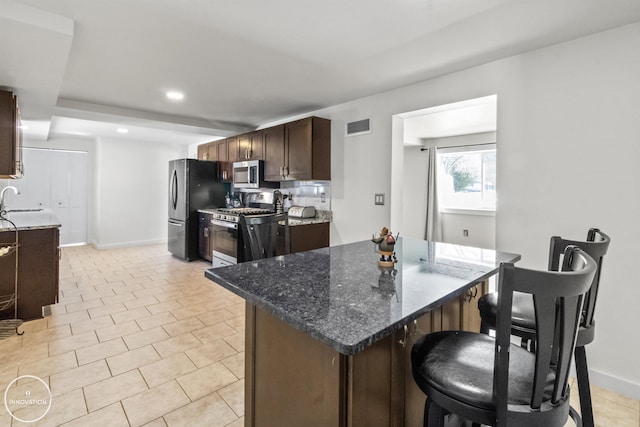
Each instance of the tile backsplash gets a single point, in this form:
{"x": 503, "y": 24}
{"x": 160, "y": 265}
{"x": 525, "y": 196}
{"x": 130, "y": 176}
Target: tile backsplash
{"x": 308, "y": 193}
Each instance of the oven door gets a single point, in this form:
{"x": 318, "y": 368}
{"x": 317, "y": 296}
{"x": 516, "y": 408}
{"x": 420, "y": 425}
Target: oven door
{"x": 223, "y": 238}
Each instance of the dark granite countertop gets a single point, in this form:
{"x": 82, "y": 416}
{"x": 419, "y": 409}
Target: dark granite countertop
{"x": 340, "y": 296}
{"x": 29, "y": 220}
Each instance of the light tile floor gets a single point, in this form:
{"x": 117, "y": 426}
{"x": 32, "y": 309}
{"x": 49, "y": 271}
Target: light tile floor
{"x": 142, "y": 339}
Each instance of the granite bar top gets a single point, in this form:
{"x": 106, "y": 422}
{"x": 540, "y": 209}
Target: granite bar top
{"x": 340, "y": 296}
{"x": 29, "y": 220}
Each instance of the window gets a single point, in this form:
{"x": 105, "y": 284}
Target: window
{"x": 467, "y": 177}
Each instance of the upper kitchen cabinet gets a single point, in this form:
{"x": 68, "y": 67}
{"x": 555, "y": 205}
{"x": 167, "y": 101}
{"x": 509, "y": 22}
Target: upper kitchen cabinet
{"x": 250, "y": 146}
{"x": 273, "y": 140}
{"x": 10, "y": 137}
{"x": 227, "y": 154}
{"x": 203, "y": 152}
{"x": 212, "y": 151}
{"x": 299, "y": 150}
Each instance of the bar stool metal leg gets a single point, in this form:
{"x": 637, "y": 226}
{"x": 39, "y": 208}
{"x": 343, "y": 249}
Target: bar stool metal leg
{"x": 586, "y": 408}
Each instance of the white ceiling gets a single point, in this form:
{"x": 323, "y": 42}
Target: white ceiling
{"x": 245, "y": 63}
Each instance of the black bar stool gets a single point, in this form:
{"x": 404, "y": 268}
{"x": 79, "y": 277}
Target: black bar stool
{"x": 523, "y": 322}
{"x": 493, "y": 382}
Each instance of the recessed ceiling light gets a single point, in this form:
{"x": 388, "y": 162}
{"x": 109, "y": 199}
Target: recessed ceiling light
{"x": 175, "y": 95}
{"x": 123, "y": 130}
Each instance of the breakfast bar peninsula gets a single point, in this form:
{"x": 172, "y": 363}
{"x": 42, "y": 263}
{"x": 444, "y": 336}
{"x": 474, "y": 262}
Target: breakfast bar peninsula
{"x": 328, "y": 332}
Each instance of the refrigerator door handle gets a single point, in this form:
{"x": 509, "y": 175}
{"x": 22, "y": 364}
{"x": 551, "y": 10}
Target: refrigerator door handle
{"x": 174, "y": 189}
{"x": 177, "y": 224}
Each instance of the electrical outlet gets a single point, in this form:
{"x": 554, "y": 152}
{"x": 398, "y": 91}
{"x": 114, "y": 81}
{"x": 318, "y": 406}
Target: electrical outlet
{"x": 379, "y": 199}
{"x": 323, "y": 198}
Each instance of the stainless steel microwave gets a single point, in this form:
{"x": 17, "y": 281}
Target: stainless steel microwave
{"x": 250, "y": 174}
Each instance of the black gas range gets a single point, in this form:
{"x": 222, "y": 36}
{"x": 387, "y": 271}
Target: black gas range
{"x": 233, "y": 214}
{"x": 224, "y": 235}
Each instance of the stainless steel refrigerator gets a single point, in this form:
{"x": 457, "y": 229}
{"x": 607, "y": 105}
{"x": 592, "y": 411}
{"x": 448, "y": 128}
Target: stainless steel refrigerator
{"x": 193, "y": 185}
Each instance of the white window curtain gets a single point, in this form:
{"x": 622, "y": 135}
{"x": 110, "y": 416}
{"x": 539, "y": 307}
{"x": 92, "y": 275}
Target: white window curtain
{"x": 433, "y": 230}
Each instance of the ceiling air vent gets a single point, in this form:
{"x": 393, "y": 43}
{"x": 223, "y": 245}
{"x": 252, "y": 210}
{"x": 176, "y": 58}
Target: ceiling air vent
{"x": 359, "y": 127}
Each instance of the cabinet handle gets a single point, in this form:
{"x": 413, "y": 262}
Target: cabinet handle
{"x": 403, "y": 341}
{"x": 206, "y": 232}
{"x": 282, "y": 171}
{"x": 471, "y": 294}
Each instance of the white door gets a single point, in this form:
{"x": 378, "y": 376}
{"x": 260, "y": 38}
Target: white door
{"x": 78, "y": 192}
{"x": 57, "y": 180}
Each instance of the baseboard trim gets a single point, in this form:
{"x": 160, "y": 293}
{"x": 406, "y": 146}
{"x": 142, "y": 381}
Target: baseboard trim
{"x": 616, "y": 384}
{"x": 126, "y": 244}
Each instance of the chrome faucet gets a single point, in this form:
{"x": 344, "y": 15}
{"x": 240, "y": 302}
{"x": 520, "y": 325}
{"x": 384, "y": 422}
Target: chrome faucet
{"x": 2, "y": 203}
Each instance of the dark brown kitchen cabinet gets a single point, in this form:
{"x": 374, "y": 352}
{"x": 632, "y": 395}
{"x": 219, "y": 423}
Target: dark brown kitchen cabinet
{"x": 372, "y": 388}
{"x": 38, "y": 271}
{"x": 304, "y": 237}
{"x": 10, "y": 136}
{"x": 227, "y": 154}
{"x": 309, "y": 236}
{"x": 203, "y": 152}
{"x": 273, "y": 140}
{"x": 303, "y": 153}
{"x": 204, "y": 236}
{"x": 250, "y": 146}
{"x": 212, "y": 151}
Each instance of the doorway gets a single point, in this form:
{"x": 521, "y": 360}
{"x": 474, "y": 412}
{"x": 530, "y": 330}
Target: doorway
{"x": 459, "y": 125}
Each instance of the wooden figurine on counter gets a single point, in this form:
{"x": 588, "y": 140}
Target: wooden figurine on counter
{"x": 386, "y": 243}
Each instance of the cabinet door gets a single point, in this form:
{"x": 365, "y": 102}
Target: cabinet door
{"x": 204, "y": 248}
{"x": 37, "y": 271}
{"x": 212, "y": 151}
{"x": 309, "y": 236}
{"x": 298, "y": 150}
{"x": 256, "y": 151}
{"x": 203, "y": 152}
{"x": 223, "y": 153}
{"x": 273, "y": 141}
{"x": 244, "y": 145}
{"x": 10, "y": 148}
{"x": 250, "y": 146}
{"x": 232, "y": 149}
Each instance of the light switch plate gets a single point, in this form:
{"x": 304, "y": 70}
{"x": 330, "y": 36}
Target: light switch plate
{"x": 379, "y": 199}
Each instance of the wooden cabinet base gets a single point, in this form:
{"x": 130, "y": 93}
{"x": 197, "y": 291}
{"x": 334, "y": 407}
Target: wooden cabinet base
{"x": 38, "y": 271}
{"x": 292, "y": 379}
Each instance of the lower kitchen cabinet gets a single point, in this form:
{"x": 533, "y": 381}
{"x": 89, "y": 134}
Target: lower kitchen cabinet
{"x": 309, "y": 236}
{"x": 204, "y": 235}
{"x": 372, "y": 388}
{"x": 304, "y": 237}
{"x": 38, "y": 271}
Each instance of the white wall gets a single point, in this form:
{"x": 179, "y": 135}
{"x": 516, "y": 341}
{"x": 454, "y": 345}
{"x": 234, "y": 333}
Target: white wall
{"x": 132, "y": 177}
{"x": 127, "y": 183}
{"x": 567, "y": 160}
